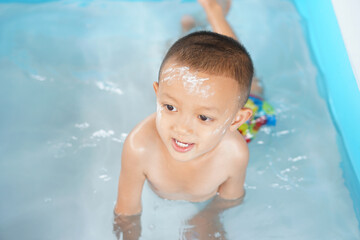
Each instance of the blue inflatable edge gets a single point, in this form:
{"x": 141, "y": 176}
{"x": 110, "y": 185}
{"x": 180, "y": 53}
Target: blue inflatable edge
{"x": 337, "y": 85}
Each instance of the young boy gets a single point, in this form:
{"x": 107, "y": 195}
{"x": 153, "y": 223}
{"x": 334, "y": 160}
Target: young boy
{"x": 190, "y": 149}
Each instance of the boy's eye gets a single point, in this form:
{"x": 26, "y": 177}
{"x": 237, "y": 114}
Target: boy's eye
{"x": 170, "y": 108}
{"x": 204, "y": 118}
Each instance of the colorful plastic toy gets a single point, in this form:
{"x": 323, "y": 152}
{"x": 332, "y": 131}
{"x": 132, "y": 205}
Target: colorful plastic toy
{"x": 263, "y": 114}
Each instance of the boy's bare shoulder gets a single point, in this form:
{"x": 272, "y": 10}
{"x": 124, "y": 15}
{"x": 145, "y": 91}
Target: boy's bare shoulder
{"x": 142, "y": 135}
{"x": 236, "y": 149}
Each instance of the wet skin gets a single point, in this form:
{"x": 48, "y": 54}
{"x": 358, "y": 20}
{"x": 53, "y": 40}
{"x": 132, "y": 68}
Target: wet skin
{"x": 217, "y": 159}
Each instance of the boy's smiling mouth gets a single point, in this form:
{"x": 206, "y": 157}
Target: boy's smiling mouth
{"x": 181, "y": 146}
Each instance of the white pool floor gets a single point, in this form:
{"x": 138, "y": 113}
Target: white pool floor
{"x": 77, "y": 77}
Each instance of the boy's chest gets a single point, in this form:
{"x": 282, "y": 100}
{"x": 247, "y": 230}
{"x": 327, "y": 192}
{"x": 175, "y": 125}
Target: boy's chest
{"x": 191, "y": 182}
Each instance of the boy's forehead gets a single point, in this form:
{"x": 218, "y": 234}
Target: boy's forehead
{"x": 193, "y": 81}
{"x": 173, "y": 72}
{"x": 179, "y": 79}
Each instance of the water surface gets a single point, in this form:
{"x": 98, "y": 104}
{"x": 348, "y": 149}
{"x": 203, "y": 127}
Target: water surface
{"x": 76, "y": 78}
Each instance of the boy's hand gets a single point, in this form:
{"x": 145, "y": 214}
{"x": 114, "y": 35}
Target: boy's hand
{"x": 205, "y": 225}
{"x": 128, "y": 226}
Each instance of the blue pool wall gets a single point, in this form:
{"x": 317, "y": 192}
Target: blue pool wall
{"x": 336, "y": 84}
{"x": 336, "y": 81}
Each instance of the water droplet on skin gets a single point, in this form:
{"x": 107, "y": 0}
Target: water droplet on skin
{"x": 217, "y": 235}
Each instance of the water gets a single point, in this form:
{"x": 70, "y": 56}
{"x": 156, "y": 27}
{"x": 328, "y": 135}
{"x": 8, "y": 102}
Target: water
{"x": 77, "y": 77}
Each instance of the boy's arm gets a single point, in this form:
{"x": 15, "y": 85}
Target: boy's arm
{"x": 233, "y": 187}
{"x": 231, "y": 193}
{"x": 131, "y": 180}
{"x": 216, "y": 17}
{"x": 128, "y": 205}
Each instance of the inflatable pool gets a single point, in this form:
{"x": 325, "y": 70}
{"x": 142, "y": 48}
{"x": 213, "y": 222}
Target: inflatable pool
{"x": 77, "y": 77}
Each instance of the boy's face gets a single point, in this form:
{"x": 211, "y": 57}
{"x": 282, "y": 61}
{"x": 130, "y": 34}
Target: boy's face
{"x": 195, "y": 110}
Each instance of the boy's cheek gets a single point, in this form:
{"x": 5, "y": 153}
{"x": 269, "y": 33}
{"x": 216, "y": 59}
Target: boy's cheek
{"x": 212, "y": 134}
{"x": 162, "y": 124}
{"x": 220, "y": 130}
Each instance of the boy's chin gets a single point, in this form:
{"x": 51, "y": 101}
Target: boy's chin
{"x": 181, "y": 157}
{"x": 185, "y": 157}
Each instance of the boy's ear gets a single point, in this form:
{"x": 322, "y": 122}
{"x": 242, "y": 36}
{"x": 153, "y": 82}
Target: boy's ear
{"x": 156, "y": 87}
{"x": 241, "y": 117}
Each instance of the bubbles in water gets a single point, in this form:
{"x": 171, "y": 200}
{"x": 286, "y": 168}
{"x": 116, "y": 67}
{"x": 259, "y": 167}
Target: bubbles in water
{"x": 109, "y": 87}
{"x": 102, "y": 134}
{"x": 217, "y": 235}
{"x": 82, "y": 125}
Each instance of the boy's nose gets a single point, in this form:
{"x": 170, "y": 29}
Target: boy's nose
{"x": 183, "y": 126}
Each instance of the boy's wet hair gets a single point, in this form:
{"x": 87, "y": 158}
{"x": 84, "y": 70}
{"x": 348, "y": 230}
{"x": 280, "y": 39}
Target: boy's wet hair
{"x": 214, "y": 54}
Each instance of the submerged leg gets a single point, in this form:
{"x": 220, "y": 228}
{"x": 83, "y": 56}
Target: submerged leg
{"x": 187, "y": 23}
